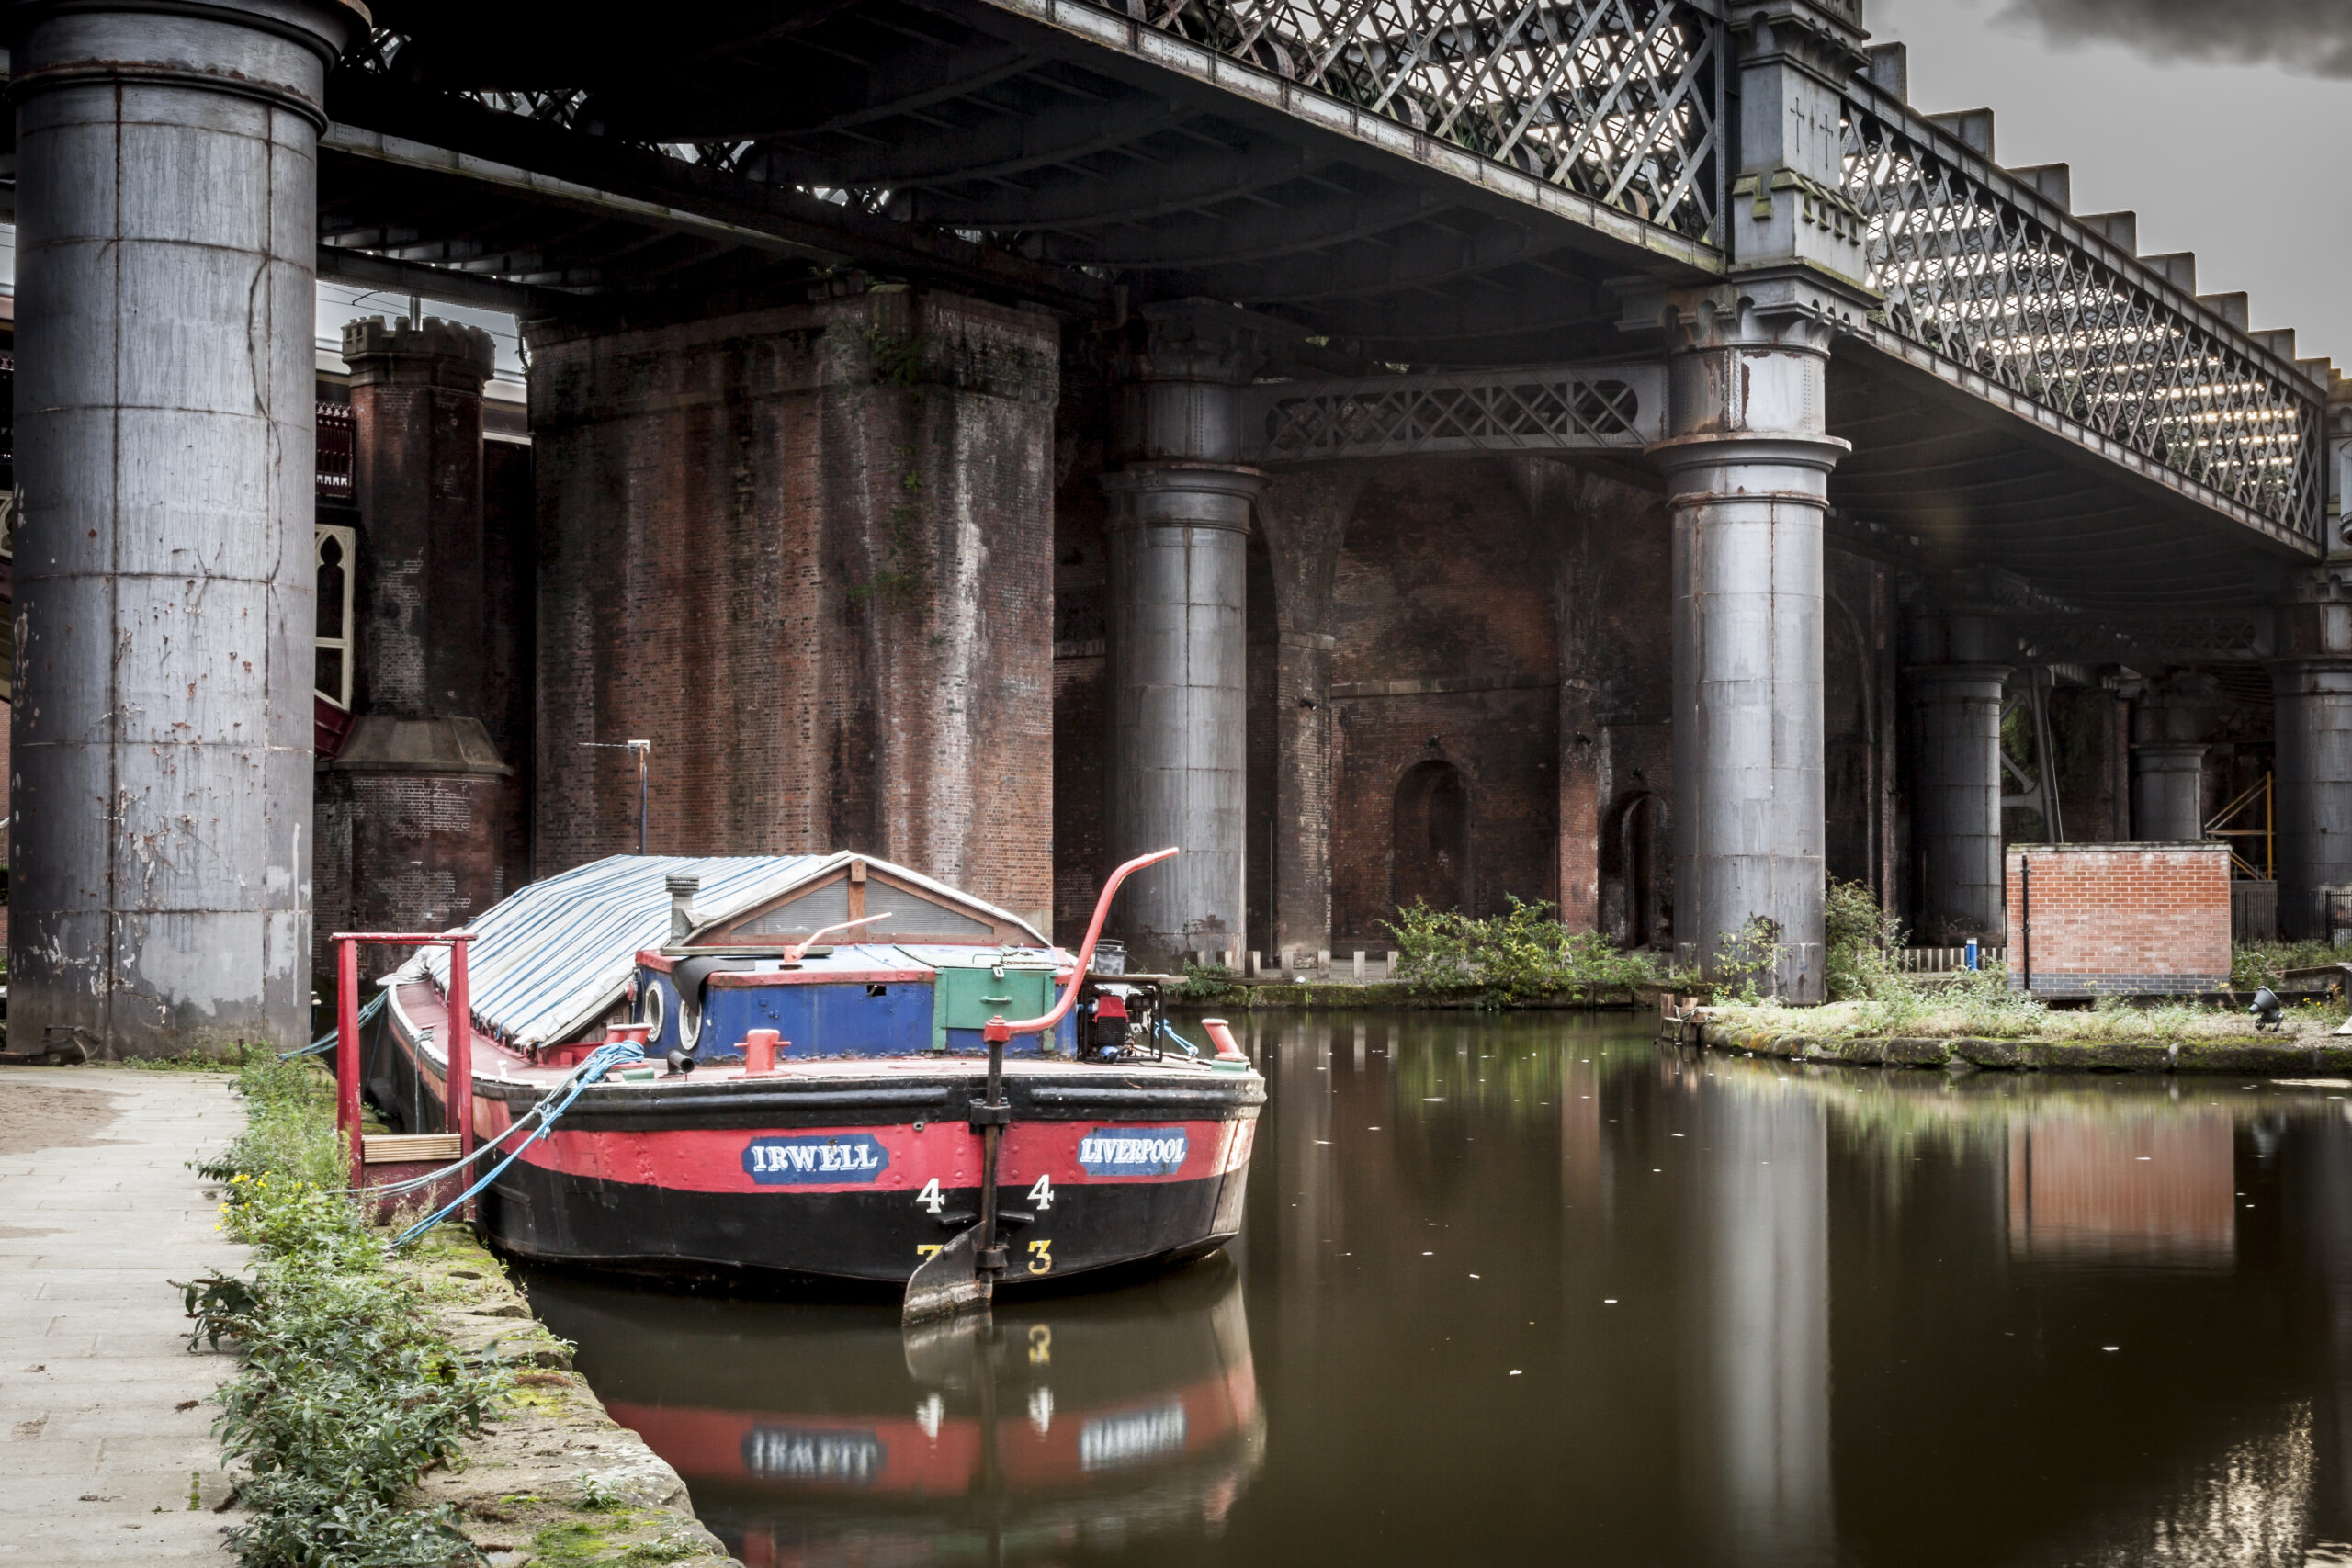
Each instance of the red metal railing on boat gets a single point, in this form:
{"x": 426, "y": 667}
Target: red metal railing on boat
{"x": 458, "y": 1091}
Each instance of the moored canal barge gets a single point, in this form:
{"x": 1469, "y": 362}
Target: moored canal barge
{"x": 812, "y": 1108}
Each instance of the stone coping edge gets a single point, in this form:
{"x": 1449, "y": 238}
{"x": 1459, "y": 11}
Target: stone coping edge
{"x": 518, "y": 1496}
{"x": 2268, "y": 1057}
{"x": 1376, "y": 996}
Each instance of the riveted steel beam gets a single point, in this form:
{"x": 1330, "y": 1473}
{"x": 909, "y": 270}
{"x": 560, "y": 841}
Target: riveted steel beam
{"x": 1001, "y": 144}
{"x": 555, "y": 167}
{"x": 1146, "y": 189}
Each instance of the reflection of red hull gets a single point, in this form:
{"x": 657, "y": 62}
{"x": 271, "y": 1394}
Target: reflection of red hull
{"x": 818, "y": 1435}
{"x": 901, "y": 1455}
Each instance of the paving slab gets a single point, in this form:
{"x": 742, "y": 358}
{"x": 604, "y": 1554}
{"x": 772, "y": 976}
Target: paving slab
{"x": 98, "y": 1213}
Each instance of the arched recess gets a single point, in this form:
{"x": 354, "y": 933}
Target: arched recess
{"x": 1639, "y": 849}
{"x": 1431, "y": 842}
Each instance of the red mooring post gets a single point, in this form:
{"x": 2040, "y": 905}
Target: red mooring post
{"x": 347, "y": 1047}
{"x": 461, "y": 1049}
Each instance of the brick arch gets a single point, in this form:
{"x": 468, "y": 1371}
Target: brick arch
{"x": 1429, "y": 837}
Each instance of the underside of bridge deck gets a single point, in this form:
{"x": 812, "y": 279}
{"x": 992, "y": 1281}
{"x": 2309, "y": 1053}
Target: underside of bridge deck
{"x": 948, "y": 141}
{"x": 1953, "y": 485}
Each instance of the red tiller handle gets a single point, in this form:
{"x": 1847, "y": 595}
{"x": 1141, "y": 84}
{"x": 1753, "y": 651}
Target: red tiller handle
{"x": 998, "y": 1030}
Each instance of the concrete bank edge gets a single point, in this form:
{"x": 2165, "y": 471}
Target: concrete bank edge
{"x": 2262, "y": 1057}
{"x": 519, "y": 1495}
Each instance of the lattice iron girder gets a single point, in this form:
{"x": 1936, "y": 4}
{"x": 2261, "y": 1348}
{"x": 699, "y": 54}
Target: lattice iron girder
{"x": 1984, "y": 273}
{"x": 2149, "y": 643}
{"x": 1619, "y": 101}
{"x": 1617, "y": 409}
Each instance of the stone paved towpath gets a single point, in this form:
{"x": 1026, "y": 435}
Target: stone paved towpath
{"x": 105, "y": 1417}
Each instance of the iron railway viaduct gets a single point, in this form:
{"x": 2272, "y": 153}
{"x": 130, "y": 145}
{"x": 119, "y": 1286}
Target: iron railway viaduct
{"x": 1613, "y": 452}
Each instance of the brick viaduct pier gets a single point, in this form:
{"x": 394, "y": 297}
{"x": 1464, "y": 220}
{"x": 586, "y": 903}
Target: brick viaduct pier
{"x": 1614, "y": 452}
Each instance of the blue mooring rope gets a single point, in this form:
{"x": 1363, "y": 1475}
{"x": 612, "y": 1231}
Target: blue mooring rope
{"x": 602, "y": 1060}
{"x": 325, "y": 1042}
{"x": 1162, "y": 1028}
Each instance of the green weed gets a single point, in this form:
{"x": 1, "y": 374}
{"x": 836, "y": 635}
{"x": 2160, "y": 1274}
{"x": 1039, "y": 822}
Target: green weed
{"x": 1510, "y": 959}
{"x": 344, "y": 1394}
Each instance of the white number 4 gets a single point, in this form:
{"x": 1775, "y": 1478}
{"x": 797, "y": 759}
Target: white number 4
{"x": 1043, "y": 1193}
{"x": 930, "y": 1197}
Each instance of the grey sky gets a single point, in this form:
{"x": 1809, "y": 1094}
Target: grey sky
{"x": 2153, "y": 104}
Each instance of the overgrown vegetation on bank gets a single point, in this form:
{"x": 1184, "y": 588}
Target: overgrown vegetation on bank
{"x": 2266, "y": 963}
{"x": 1870, "y": 996}
{"x": 346, "y": 1394}
{"x": 1511, "y": 959}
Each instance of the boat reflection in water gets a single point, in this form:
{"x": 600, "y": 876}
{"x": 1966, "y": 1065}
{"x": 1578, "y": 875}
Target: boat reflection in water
{"x": 814, "y": 1434}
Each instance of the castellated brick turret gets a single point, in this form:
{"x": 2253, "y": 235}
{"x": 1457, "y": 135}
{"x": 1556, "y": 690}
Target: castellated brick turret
{"x": 410, "y": 810}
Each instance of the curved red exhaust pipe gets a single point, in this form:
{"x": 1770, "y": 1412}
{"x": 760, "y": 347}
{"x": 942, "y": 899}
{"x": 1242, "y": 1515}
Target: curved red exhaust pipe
{"x": 998, "y": 1030}
{"x": 1221, "y": 1037}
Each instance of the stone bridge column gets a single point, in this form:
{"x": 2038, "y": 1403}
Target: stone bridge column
{"x": 1747, "y": 459}
{"x": 2313, "y": 780}
{"x": 2171, "y": 726}
{"x": 167, "y": 238}
{"x": 1747, "y": 479}
{"x": 1958, "y": 668}
{"x": 1177, "y": 633}
{"x": 1305, "y": 516}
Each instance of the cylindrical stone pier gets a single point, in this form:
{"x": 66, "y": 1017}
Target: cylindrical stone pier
{"x": 2312, "y": 792}
{"x": 1179, "y": 576}
{"x": 1180, "y": 521}
{"x": 166, "y": 236}
{"x": 1748, "y": 478}
{"x": 2312, "y": 784}
{"x": 2168, "y": 791}
{"x": 1956, "y": 804}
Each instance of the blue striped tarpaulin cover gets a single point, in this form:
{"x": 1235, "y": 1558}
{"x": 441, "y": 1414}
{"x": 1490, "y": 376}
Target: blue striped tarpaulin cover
{"x": 551, "y": 959}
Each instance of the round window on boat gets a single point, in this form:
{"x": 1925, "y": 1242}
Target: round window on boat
{"x": 689, "y": 1021}
{"x": 655, "y": 1009}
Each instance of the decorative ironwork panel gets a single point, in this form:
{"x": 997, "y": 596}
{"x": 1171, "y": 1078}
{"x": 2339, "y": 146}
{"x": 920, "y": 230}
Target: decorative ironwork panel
{"x": 1548, "y": 409}
{"x": 1618, "y": 100}
{"x": 2004, "y": 285}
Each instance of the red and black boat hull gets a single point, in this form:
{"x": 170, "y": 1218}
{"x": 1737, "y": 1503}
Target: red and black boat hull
{"x": 836, "y": 1179}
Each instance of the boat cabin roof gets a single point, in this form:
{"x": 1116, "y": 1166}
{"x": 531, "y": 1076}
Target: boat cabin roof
{"x": 554, "y": 957}
{"x": 906, "y": 963}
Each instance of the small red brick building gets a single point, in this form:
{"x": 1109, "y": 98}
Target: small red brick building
{"x": 2096, "y": 920}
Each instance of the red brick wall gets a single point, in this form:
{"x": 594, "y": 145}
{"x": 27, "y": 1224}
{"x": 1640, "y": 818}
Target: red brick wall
{"x": 1627, "y": 586}
{"x": 1444, "y": 582}
{"x": 2121, "y": 917}
{"x": 808, "y": 552}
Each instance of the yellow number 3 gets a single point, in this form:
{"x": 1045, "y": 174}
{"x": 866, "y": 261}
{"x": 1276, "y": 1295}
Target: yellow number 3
{"x": 1041, "y": 1256}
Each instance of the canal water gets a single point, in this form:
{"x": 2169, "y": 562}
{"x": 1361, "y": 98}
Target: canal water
{"x": 1537, "y": 1290}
